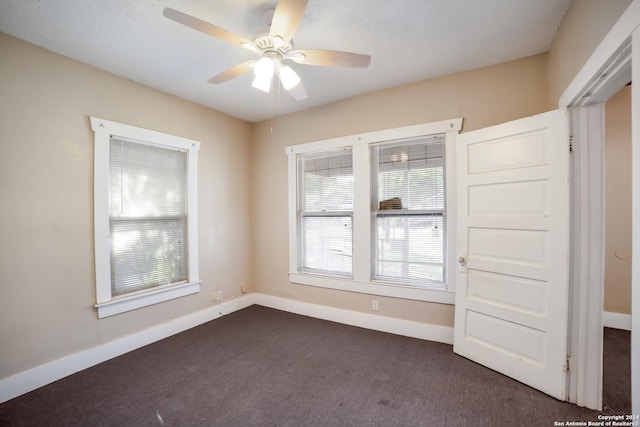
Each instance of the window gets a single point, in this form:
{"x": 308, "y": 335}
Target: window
{"x": 144, "y": 217}
{"x": 326, "y": 213}
{"x": 372, "y": 213}
{"x": 147, "y": 222}
{"x": 409, "y": 209}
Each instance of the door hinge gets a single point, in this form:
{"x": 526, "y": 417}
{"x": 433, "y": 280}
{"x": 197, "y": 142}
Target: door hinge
{"x": 567, "y": 365}
{"x": 571, "y": 143}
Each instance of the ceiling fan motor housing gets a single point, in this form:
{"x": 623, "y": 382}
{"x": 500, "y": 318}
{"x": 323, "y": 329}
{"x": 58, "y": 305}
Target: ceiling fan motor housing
{"x": 267, "y": 43}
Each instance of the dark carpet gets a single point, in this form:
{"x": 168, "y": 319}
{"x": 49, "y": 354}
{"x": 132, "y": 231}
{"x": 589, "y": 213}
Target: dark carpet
{"x": 616, "y": 382}
{"x": 264, "y": 367}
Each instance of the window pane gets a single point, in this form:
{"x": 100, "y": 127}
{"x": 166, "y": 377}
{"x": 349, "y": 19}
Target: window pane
{"x": 147, "y": 253}
{"x": 410, "y": 247}
{"x": 326, "y": 186}
{"x": 411, "y": 177}
{"x": 147, "y": 181}
{"x": 328, "y": 182}
{"x": 147, "y": 216}
{"x": 414, "y": 173}
{"x": 327, "y": 244}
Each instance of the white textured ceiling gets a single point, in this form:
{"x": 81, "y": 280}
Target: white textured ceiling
{"x": 408, "y": 40}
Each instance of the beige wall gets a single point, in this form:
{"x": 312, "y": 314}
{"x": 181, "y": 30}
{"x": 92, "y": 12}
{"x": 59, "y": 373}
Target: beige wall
{"x": 47, "y": 285}
{"x": 482, "y": 97}
{"x": 584, "y": 26}
{"x": 617, "y": 262}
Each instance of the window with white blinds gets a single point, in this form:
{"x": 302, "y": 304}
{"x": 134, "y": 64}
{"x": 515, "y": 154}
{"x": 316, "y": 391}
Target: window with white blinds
{"x": 375, "y": 212}
{"x": 326, "y": 213}
{"x": 147, "y": 216}
{"x": 409, "y": 201}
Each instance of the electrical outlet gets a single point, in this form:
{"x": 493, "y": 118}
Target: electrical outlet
{"x": 213, "y": 296}
{"x": 375, "y": 306}
{"x": 219, "y": 295}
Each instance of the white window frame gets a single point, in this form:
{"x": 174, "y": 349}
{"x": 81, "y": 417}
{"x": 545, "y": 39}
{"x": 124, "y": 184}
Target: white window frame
{"x": 362, "y": 213}
{"x": 106, "y": 304}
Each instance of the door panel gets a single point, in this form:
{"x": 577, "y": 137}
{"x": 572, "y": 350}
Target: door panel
{"x": 527, "y": 198}
{"x": 507, "y": 153}
{"x": 511, "y": 292}
{"x": 513, "y": 230}
{"x": 506, "y": 337}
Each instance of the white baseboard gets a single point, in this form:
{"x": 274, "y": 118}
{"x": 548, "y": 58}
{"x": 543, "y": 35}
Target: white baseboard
{"x": 408, "y": 328}
{"x": 616, "y": 320}
{"x": 42, "y": 375}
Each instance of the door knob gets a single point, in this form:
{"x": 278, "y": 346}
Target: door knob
{"x": 461, "y": 260}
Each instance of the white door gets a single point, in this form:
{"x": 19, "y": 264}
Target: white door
{"x": 512, "y": 292}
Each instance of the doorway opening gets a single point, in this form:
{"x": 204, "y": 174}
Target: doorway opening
{"x": 616, "y": 378}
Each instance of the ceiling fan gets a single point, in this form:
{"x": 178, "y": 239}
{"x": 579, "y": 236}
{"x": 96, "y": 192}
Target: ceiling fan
{"x": 275, "y": 47}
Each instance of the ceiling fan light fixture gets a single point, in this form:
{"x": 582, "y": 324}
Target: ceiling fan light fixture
{"x": 263, "y": 84}
{"x": 264, "y": 68}
{"x": 288, "y": 77}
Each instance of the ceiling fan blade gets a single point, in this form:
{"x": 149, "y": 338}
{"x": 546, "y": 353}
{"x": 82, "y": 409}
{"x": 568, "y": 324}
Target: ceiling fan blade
{"x": 286, "y": 18}
{"x": 330, "y": 58}
{"x": 203, "y": 26}
{"x": 232, "y": 72}
{"x": 298, "y": 92}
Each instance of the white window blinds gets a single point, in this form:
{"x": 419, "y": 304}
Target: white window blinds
{"x": 409, "y": 210}
{"x": 147, "y": 221}
{"x": 326, "y": 212}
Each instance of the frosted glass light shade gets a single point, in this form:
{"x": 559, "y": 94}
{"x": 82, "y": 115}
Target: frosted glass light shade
{"x": 288, "y": 77}
{"x": 263, "y": 84}
{"x": 264, "y": 68}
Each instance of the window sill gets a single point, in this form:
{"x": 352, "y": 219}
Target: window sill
{"x": 132, "y": 302}
{"x": 375, "y": 288}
